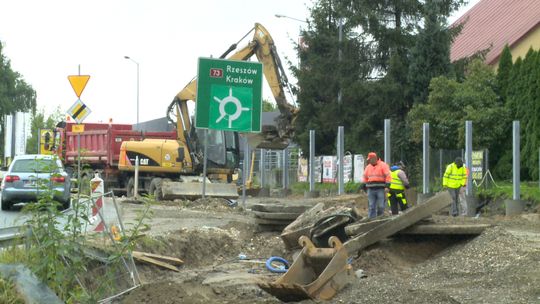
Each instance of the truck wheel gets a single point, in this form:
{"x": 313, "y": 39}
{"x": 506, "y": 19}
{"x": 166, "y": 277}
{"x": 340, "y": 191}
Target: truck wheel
{"x": 155, "y": 189}
{"x": 130, "y": 187}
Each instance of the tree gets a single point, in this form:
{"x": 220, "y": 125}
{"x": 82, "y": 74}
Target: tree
{"x": 503, "y": 72}
{"x": 369, "y": 66}
{"x": 15, "y": 94}
{"x": 451, "y": 103}
{"x": 430, "y": 56}
{"x": 267, "y": 106}
{"x": 523, "y": 101}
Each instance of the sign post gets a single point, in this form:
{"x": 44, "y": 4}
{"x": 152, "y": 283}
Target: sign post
{"x": 78, "y": 111}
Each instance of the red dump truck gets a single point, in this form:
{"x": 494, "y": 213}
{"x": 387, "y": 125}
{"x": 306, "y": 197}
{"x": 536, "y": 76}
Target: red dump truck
{"x": 99, "y": 150}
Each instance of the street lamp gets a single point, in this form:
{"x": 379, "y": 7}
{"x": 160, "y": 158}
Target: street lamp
{"x": 127, "y": 57}
{"x": 283, "y": 16}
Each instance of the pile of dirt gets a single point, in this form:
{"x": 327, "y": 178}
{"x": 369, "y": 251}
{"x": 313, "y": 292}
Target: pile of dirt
{"x": 196, "y": 247}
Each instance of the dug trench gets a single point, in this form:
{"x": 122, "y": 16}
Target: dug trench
{"x": 224, "y": 255}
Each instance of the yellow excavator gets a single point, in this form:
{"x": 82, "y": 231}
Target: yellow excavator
{"x": 171, "y": 169}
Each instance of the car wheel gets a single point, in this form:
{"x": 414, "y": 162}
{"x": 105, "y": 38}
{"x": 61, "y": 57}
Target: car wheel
{"x": 5, "y": 205}
{"x": 66, "y": 204}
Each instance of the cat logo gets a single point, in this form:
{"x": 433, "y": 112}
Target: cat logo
{"x": 144, "y": 161}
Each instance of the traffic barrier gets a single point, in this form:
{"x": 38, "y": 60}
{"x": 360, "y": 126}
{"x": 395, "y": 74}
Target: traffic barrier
{"x": 98, "y": 189}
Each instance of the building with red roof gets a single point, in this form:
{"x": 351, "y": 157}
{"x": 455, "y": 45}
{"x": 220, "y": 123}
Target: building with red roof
{"x": 491, "y": 24}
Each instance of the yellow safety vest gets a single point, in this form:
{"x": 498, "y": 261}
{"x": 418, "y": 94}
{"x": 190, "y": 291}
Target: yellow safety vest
{"x": 396, "y": 182}
{"x": 455, "y": 177}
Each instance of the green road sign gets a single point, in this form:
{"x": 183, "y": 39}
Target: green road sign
{"x": 229, "y": 95}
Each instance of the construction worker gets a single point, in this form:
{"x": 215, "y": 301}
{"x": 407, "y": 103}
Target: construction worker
{"x": 455, "y": 179}
{"x": 396, "y": 195}
{"x": 376, "y": 182}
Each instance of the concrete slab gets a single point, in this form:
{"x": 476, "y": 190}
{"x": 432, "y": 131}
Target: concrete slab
{"x": 445, "y": 229}
{"x": 406, "y": 219}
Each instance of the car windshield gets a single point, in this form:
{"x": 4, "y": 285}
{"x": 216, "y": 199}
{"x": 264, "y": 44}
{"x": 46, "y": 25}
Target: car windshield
{"x": 35, "y": 165}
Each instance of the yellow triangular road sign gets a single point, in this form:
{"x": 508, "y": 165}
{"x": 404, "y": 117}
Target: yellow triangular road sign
{"x": 78, "y": 82}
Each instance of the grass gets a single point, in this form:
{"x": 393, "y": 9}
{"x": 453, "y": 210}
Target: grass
{"x": 301, "y": 187}
{"x": 529, "y": 191}
{"x": 8, "y": 293}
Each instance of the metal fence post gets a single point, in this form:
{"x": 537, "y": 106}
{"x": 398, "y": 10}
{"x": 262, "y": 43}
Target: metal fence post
{"x": 425, "y": 158}
{"x": 468, "y": 155}
{"x": 516, "y": 161}
{"x": 285, "y": 169}
{"x": 341, "y": 148}
{"x": 387, "y": 145}
{"x": 311, "y": 160}
{"x": 262, "y": 168}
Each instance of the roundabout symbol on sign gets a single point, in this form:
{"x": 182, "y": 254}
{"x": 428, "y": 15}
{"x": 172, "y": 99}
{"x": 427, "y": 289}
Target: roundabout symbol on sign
{"x": 222, "y": 104}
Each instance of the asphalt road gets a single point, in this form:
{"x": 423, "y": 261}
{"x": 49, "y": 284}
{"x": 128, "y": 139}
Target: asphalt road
{"x": 16, "y": 217}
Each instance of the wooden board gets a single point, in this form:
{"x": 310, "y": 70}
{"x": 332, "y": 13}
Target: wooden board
{"x": 141, "y": 257}
{"x": 172, "y": 260}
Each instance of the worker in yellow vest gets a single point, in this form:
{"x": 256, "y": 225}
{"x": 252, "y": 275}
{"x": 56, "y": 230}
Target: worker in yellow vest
{"x": 396, "y": 196}
{"x": 455, "y": 179}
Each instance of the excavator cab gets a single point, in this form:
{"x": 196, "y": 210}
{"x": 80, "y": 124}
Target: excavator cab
{"x": 223, "y": 147}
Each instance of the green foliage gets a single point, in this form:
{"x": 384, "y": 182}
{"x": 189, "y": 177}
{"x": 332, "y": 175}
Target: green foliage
{"x": 523, "y": 101}
{"x": 431, "y": 53}
{"x": 299, "y": 188}
{"x": 529, "y": 192}
{"x": 451, "y": 103}
{"x": 503, "y": 72}
{"x": 15, "y": 94}
{"x": 267, "y": 106}
{"x": 8, "y": 293}
{"x": 370, "y": 67}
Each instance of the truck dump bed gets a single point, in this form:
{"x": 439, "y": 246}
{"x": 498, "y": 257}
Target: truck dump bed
{"x": 100, "y": 142}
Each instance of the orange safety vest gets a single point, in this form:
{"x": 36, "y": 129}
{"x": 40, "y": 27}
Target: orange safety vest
{"x": 378, "y": 175}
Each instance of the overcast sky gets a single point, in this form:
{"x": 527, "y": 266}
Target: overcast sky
{"x": 47, "y": 41}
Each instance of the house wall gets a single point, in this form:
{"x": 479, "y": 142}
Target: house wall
{"x": 520, "y": 49}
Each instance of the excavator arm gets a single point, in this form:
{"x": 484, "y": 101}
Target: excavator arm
{"x": 263, "y": 47}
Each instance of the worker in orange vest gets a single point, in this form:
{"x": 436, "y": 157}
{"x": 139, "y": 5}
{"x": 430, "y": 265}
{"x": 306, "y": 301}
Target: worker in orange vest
{"x": 377, "y": 183}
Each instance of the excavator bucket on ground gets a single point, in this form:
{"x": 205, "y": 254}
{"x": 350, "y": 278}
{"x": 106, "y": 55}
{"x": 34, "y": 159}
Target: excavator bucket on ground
{"x": 193, "y": 189}
{"x": 317, "y": 273}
